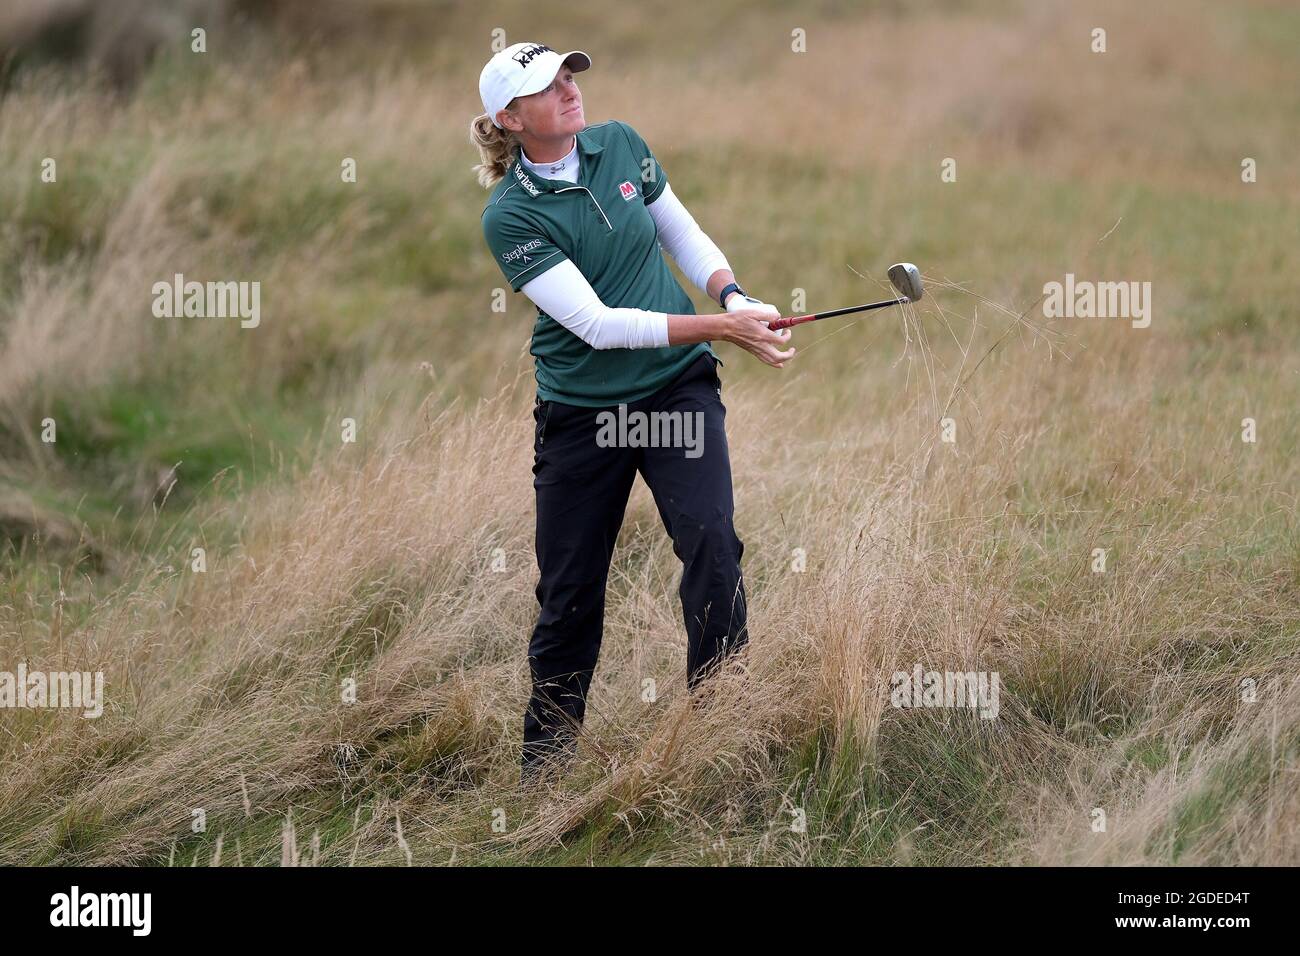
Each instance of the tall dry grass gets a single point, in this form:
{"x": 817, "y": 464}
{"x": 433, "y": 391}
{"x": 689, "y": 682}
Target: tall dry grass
{"x": 1121, "y": 690}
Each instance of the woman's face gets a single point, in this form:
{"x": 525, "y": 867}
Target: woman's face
{"x": 555, "y": 111}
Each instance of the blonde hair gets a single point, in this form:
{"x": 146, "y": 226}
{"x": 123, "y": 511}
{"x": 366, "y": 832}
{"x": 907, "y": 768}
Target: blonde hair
{"x": 497, "y": 148}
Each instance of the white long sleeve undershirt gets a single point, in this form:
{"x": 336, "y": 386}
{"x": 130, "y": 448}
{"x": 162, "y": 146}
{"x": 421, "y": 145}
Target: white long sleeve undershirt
{"x": 695, "y": 253}
{"x": 563, "y": 292}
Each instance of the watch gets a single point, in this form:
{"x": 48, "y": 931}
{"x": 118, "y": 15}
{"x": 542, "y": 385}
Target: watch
{"x": 729, "y": 288}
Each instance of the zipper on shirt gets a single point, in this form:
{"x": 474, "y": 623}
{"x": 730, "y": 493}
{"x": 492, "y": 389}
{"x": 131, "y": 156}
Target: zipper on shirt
{"x": 593, "y": 199}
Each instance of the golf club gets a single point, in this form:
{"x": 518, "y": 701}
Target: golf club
{"x": 906, "y": 279}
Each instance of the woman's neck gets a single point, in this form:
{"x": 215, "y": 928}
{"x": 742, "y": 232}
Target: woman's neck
{"x": 540, "y": 152}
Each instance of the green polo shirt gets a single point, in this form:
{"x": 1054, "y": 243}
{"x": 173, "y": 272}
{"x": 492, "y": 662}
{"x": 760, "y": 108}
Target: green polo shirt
{"x": 602, "y": 225}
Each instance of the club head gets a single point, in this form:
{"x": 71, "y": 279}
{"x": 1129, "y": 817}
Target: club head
{"x": 907, "y": 280}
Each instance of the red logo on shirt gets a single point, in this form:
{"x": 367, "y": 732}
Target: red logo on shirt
{"x": 627, "y": 190}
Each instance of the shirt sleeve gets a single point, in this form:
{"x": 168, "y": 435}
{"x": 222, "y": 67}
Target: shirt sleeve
{"x": 565, "y": 295}
{"x": 522, "y": 250}
{"x": 653, "y": 177}
{"x": 696, "y": 254}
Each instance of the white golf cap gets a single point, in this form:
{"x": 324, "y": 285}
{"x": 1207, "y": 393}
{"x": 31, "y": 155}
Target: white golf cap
{"x": 521, "y": 69}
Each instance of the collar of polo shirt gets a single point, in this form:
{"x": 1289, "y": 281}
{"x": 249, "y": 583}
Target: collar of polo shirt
{"x": 534, "y": 184}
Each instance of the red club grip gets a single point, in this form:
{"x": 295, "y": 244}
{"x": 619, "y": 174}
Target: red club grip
{"x": 777, "y": 324}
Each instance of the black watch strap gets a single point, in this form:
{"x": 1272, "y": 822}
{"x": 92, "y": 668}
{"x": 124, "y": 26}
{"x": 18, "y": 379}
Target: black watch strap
{"x": 727, "y": 289}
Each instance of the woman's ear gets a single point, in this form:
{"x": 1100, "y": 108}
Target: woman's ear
{"x": 509, "y": 121}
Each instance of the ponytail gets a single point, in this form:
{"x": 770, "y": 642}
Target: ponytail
{"x": 497, "y": 148}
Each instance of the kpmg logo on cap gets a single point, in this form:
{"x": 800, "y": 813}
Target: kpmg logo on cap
{"x": 524, "y": 57}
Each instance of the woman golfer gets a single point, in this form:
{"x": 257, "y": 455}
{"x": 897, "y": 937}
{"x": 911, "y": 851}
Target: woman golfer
{"x": 575, "y": 221}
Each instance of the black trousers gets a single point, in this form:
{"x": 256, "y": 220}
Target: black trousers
{"x": 582, "y": 491}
